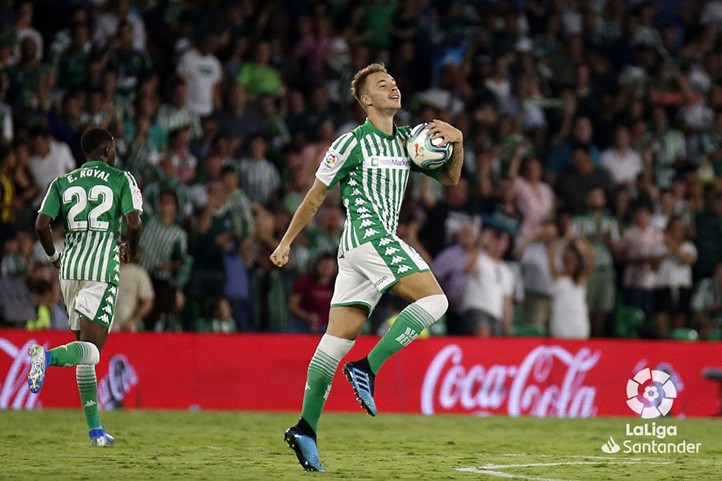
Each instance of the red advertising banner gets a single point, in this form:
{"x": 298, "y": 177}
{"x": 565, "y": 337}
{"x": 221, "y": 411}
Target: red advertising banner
{"x": 501, "y": 376}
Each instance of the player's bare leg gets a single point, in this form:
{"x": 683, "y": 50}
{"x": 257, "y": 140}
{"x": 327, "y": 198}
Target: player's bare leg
{"x": 428, "y": 304}
{"x": 344, "y": 326}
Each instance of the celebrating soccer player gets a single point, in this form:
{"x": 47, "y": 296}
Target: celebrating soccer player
{"x": 92, "y": 201}
{"x": 373, "y": 168}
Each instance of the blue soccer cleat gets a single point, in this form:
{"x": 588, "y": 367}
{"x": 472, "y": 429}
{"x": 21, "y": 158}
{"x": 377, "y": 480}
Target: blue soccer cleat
{"x": 38, "y": 366}
{"x": 362, "y": 383}
{"x": 98, "y": 437}
{"x": 305, "y": 448}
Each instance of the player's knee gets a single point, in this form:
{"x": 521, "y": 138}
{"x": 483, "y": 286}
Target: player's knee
{"x": 435, "y": 305}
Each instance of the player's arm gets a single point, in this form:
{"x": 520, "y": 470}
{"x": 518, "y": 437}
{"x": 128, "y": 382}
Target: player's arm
{"x": 133, "y": 233}
{"x": 452, "y": 169}
{"x": 45, "y": 236}
{"x": 49, "y": 209}
{"x": 303, "y": 215}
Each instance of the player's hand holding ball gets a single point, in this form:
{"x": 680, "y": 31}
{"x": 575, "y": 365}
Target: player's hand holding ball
{"x": 430, "y": 144}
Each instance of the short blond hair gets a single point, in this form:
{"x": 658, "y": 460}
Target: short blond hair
{"x": 359, "y": 79}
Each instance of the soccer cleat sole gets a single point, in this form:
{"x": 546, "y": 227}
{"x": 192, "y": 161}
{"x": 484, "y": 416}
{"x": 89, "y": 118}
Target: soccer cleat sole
{"x": 291, "y": 441}
{"x": 363, "y": 405}
{"x": 36, "y": 376}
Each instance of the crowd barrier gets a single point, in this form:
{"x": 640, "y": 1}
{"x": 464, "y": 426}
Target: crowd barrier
{"x": 499, "y": 376}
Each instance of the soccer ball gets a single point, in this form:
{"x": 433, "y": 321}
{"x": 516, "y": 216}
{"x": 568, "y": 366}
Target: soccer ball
{"x": 425, "y": 153}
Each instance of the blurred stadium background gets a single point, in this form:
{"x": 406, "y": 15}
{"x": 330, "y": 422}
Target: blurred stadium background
{"x": 586, "y": 122}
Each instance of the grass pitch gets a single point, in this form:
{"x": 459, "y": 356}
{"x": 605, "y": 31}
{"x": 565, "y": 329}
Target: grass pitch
{"x": 151, "y": 445}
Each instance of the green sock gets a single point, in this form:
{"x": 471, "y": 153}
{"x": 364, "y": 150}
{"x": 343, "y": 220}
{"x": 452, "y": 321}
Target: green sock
{"x": 318, "y": 386}
{"x": 88, "y": 387}
{"x": 73, "y": 354}
{"x": 409, "y": 323}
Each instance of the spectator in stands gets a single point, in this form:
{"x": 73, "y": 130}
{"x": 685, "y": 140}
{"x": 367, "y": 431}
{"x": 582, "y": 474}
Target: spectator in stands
{"x": 165, "y": 256}
{"x": 310, "y": 299}
{"x": 239, "y": 120}
{"x": 574, "y": 184}
{"x": 30, "y": 82}
{"x": 533, "y": 255}
{"x": 259, "y": 76}
{"x": 176, "y": 113}
{"x": 534, "y": 197}
{"x": 135, "y": 297}
{"x": 487, "y": 305}
{"x": 707, "y": 304}
{"x": 260, "y": 179}
{"x": 562, "y": 157}
{"x": 621, "y": 161}
{"x": 48, "y": 160}
{"x": 269, "y": 311}
{"x": 64, "y": 123}
{"x": 642, "y": 246}
{"x": 570, "y": 314}
{"x": 8, "y": 200}
{"x": 128, "y": 62}
{"x": 72, "y": 67}
{"x": 212, "y": 238}
{"x": 674, "y": 278}
{"x": 16, "y": 261}
{"x": 708, "y": 224}
{"x": 602, "y": 232}
{"x": 446, "y": 218}
{"x": 24, "y": 29}
{"x": 449, "y": 267}
{"x": 667, "y": 147}
{"x": 107, "y": 23}
{"x": 181, "y": 163}
{"x": 203, "y": 72}
{"x": 325, "y": 237}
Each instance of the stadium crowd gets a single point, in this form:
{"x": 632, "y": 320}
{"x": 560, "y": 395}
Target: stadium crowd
{"x": 591, "y": 198}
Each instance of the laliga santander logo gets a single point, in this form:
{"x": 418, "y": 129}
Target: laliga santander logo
{"x": 651, "y": 393}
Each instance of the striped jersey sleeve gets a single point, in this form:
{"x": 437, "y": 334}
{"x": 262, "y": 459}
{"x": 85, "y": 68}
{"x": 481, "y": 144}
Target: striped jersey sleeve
{"x": 338, "y": 160}
{"x": 50, "y": 205}
{"x": 131, "y": 199}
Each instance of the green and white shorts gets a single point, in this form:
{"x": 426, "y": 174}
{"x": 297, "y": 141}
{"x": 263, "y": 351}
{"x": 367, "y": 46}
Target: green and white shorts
{"x": 93, "y": 300}
{"x": 367, "y": 271}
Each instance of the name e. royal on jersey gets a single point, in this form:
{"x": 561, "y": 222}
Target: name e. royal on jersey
{"x": 99, "y": 174}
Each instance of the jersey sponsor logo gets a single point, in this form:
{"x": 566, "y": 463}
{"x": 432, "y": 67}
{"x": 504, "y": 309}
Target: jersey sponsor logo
{"x": 391, "y": 251}
{"x": 370, "y": 232}
{"x": 385, "y": 241}
{"x": 386, "y": 162}
{"x": 402, "y": 269}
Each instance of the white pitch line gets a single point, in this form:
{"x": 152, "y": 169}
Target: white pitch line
{"x": 502, "y": 474}
{"x": 491, "y": 469}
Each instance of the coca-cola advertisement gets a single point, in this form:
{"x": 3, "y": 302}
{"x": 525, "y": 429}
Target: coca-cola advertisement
{"x": 497, "y": 376}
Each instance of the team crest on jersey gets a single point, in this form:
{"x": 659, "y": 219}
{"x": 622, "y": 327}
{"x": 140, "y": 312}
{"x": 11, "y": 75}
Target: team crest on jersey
{"x": 330, "y": 159}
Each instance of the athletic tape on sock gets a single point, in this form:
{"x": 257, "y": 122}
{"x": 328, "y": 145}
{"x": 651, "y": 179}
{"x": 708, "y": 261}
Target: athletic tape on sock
{"x": 91, "y": 354}
{"x": 335, "y": 347}
{"x": 435, "y": 306}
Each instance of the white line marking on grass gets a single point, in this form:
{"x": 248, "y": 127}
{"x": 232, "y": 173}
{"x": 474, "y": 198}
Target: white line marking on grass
{"x": 492, "y": 469}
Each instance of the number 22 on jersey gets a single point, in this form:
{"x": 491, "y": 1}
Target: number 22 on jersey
{"x": 100, "y": 198}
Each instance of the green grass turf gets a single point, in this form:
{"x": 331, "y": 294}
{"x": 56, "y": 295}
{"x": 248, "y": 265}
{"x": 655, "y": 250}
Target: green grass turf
{"x": 154, "y": 445}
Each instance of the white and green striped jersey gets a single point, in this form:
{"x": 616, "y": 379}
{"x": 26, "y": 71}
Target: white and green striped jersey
{"x": 92, "y": 200}
{"x": 373, "y": 170}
